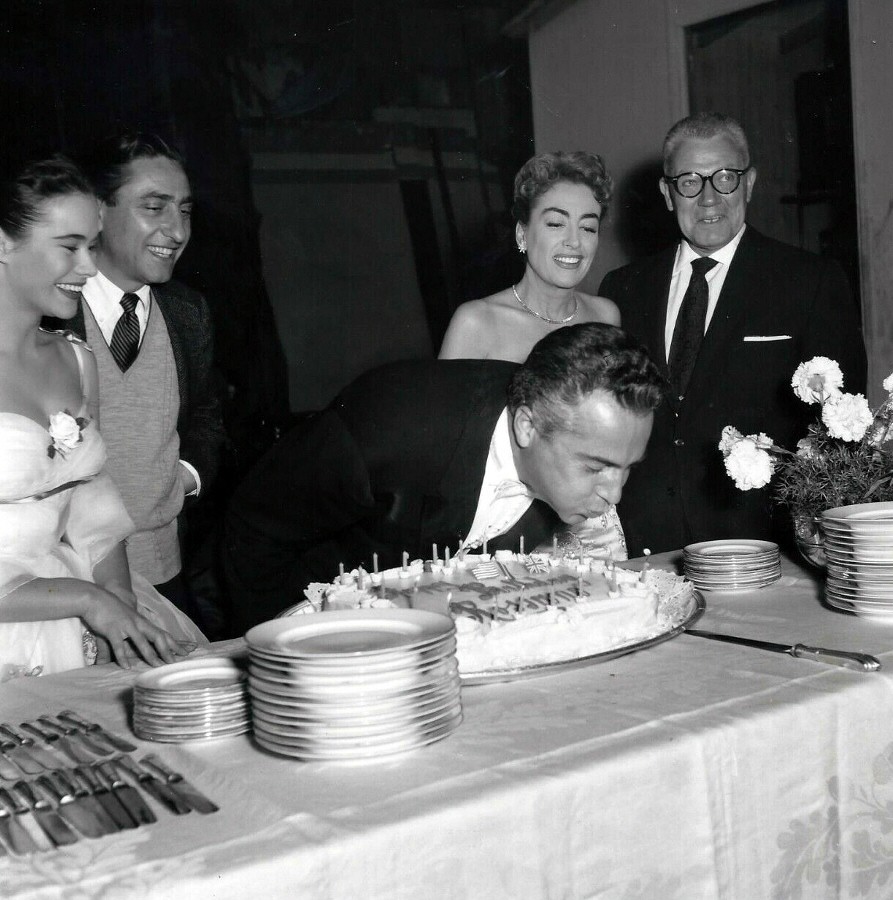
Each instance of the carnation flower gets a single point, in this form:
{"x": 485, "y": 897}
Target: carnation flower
{"x": 888, "y": 383}
{"x": 847, "y": 416}
{"x": 65, "y": 431}
{"x": 730, "y": 437}
{"x": 806, "y": 448}
{"x": 749, "y": 466}
{"x": 817, "y": 380}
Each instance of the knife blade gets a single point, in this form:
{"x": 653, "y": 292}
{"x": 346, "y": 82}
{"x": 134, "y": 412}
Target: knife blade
{"x": 128, "y": 795}
{"x": 65, "y": 781}
{"x": 860, "y": 661}
{"x": 191, "y": 794}
{"x": 51, "y": 823}
{"x": 46, "y": 759}
{"x": 12, "y": 832}
{"x": 110, "y": 738}
{"x": 89, "y": 780}
{"x": 158, "y": 789}
{"x": 8, "y": 771}
{"x": 20, "y": 758}
{"x": 68, "y": 808}
{"x": 81, "y": 739}
{"x": 59, "y": 742}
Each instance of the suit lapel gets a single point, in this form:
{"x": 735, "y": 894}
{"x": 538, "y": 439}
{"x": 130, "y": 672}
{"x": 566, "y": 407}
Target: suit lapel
{"x": 654, "y": 309}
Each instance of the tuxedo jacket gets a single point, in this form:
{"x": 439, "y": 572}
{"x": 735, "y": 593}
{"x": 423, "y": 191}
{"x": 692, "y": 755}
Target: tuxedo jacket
{"x": 395, "y": 464}
{"x": 779, "y": 306}
{"x": 188, "y": 321}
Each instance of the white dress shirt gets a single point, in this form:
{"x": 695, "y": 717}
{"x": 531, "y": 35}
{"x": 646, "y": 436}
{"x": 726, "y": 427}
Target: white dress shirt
{"x": 682, "y": 276}
{"x": 503, "y": 498}
{"x": 104, "y": 299}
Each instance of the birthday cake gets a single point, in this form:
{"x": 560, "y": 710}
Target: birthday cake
{"x": 515, "y": 611}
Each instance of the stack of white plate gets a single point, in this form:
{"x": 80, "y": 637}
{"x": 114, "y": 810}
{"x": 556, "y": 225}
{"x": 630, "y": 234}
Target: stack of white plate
{"x": 731, "y": 565}
{"x": 353, "y": 684}
{"x": 186, "y": 701}
{"x": 858, "y": 544}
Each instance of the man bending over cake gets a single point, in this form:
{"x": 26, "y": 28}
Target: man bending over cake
{"x": 446, "y": 452}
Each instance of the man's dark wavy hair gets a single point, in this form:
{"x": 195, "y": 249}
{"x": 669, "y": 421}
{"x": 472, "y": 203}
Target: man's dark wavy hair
{"x": 570, "y": 363}
{"x": 107, "y": 161}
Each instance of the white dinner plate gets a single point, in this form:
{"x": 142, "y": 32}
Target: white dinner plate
{"x": 731, "y": 547}
{"x": 192, "y": 675}
{"x": 350, "y": 632}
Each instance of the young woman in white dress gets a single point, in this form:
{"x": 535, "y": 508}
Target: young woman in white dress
{"x": 64, "y": 576}
{"x": 559, "y": 202}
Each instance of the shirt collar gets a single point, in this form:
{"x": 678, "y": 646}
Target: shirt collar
{"x": 104, "y": 296}
{"x": 685, "y": 255}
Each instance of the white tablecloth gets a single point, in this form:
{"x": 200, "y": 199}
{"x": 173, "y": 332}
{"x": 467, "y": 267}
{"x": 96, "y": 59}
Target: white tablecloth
{"x": 693, "y": 769}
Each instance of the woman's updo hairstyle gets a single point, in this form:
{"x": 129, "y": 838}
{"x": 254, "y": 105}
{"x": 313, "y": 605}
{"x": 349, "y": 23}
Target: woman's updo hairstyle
{"x": 23, "y": 193}
{"x": 541, "y": 172}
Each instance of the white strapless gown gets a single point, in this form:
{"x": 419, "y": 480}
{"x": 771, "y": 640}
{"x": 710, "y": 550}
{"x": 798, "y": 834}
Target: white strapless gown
{"x": 59, "y": 517}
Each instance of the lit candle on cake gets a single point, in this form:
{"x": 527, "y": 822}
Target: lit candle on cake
{"x": 405, "y": 562}
{"x": 434, "y": 553}
{"x": 521, "y": 545}
{"x": 645, "y": 567}
{"x": 446, "y": 557}
{"x": 362, "y": 579}
{"x": 555, "y": 545}
{"x": 374, "y": 563}
{"x": 484, "y": 549}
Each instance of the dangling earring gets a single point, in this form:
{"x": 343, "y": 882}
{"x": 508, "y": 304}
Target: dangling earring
{"x": 522, "y": 248}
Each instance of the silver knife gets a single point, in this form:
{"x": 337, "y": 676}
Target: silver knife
{"x": 8, "y": 771}
{"x": 68, "y": 808}
{"x": 861, "y": 661}
{"x": 59, "y": 742}
{"x": 192, "y": 795}
{"x": 87, "y": 779}
{"x": 88, "y": 803}
{"x": 158, "y": 789}
{"x": 75, "y": 735}
{"x": 51, "y": 823}
{"x": 22, "y": 759}
{"x": 12, "y": 833}
{"x": 97, "y": 731}
{"x": 128, "y": 795}
{"x": 27, "y": 745}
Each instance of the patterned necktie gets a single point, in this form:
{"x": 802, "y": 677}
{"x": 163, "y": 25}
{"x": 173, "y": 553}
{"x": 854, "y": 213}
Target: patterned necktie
{"x": 689, "y": 330}
{"x": 126, "y": 338}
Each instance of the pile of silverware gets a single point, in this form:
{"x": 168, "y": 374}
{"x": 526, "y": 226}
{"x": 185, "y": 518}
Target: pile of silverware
{"x": 63, "y": 778}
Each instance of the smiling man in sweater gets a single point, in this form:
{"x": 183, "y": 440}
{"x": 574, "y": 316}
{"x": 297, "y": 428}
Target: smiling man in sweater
{"x": 152, "y": 338}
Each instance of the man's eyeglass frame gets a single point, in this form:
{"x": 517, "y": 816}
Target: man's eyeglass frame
{"x": 673, "y": 180}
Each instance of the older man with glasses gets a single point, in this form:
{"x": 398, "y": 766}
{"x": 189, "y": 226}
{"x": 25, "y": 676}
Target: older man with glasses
{"x": 728, "y": 314}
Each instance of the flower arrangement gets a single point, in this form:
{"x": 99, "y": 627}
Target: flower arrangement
{"x": 844, "y": 459}
{"x": 66, "y": 432}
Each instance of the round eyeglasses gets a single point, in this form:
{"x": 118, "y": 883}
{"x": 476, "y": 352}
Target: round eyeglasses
{"x": 690, "y": 184}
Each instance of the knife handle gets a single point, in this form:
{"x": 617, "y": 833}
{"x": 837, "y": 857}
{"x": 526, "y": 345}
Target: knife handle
{"x": 861, "y": 661}
{"x": 10, "y": 803}
{"x": 91, "y": 728}
{"x": 157, "y": 767}
{"x": 45, "y": 789}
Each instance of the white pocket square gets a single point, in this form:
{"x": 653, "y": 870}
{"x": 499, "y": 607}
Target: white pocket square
{"x": 767, "y": 337}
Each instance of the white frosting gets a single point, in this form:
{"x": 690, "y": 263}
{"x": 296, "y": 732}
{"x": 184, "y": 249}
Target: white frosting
{"x": 534, "y": 610}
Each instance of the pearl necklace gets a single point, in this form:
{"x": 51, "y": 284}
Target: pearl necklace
{"x": 533, "y": 312}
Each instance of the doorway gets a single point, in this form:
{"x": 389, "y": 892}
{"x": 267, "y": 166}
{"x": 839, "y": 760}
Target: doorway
{"x": 783, "y": 70}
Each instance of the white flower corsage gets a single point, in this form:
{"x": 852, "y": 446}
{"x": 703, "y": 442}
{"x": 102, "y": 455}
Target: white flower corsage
{"x": 66, "y": 432}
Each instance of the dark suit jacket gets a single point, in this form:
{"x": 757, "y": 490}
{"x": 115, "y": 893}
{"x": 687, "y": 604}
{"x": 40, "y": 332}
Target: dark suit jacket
{"x": 681, "y": 492}
{"x": 199, "y": 422}
{"x": 395, "y": 463}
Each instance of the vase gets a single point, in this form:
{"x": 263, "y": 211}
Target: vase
{"x": 809, "y": 539}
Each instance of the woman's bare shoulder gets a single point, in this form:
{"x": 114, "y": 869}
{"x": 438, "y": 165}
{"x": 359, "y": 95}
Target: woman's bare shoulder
{"x": 472, "y": 327}
{"x": 600, "y": 309}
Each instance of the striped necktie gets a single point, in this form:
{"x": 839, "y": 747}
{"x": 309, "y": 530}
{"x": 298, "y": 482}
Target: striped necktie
{"x": 126, "y": 337}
